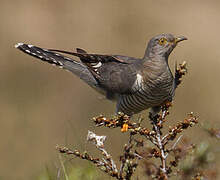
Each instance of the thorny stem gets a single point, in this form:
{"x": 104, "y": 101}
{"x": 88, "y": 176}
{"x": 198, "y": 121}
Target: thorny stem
{"x": 157, "y": 122}
{"x": 174, "y": 145}
{"x": 157, "y": 127}
{"x": 123, "y": 162}
{"x": 109, "y": 158}
{"x": 99, "y": 142}
{"x": 161, "y": 147}
{"x": 128, "y": 165}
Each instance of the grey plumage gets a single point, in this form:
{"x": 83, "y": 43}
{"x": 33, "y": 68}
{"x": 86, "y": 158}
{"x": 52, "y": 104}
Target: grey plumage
{"x": 76, "y": 67}
{"x": 136, "y": 84}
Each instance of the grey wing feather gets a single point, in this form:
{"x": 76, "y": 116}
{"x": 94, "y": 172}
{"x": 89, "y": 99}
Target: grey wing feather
{"x": 114, "y": 73}
{"x": 119, "y": 77}
{"x": 57, "y": 59}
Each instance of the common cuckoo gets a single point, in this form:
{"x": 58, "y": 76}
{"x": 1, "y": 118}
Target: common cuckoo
{"x": 135, "y": 83}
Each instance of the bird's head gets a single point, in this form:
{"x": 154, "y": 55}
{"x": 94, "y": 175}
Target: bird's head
{"x": 162, "y": 45}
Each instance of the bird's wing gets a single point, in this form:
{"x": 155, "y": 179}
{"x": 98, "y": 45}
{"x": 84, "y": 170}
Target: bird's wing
{"x": 114, "y": 73}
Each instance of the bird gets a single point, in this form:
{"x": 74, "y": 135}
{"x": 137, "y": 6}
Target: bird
{"x": 136, "y": 84}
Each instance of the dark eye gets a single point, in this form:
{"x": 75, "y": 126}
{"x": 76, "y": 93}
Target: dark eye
{"x": 162, "y": 41}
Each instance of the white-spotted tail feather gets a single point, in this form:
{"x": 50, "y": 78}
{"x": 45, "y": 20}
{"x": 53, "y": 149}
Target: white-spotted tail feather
{"x": 59, "y": 60}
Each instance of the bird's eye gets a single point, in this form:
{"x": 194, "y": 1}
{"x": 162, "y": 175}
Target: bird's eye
{"x": 162, "y": 41}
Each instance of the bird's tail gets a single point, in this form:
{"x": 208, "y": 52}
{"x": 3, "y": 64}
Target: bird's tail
{"x": 76, "y": 67}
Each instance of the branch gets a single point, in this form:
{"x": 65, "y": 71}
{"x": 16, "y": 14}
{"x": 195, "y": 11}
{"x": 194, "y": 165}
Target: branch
{"x": 179, "y": 73}
{"x": 99, "y": 142}
{"x": 175, "y": 130}
{"x": 105, "y": 164}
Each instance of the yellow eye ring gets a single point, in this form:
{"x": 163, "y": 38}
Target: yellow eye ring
{"x": 162, "y": 41}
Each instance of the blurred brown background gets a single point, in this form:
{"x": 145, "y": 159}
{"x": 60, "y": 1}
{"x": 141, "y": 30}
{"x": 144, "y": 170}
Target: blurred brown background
{"x": 41, "y": 105}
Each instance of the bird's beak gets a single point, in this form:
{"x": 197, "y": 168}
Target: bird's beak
{"x": 180, "y": 38}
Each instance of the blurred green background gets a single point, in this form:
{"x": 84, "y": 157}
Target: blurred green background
{"x": 41, "y": 105}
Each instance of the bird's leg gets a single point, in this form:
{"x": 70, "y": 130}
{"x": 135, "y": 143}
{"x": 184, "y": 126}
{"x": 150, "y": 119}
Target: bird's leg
{"x": 153, "y": 114}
